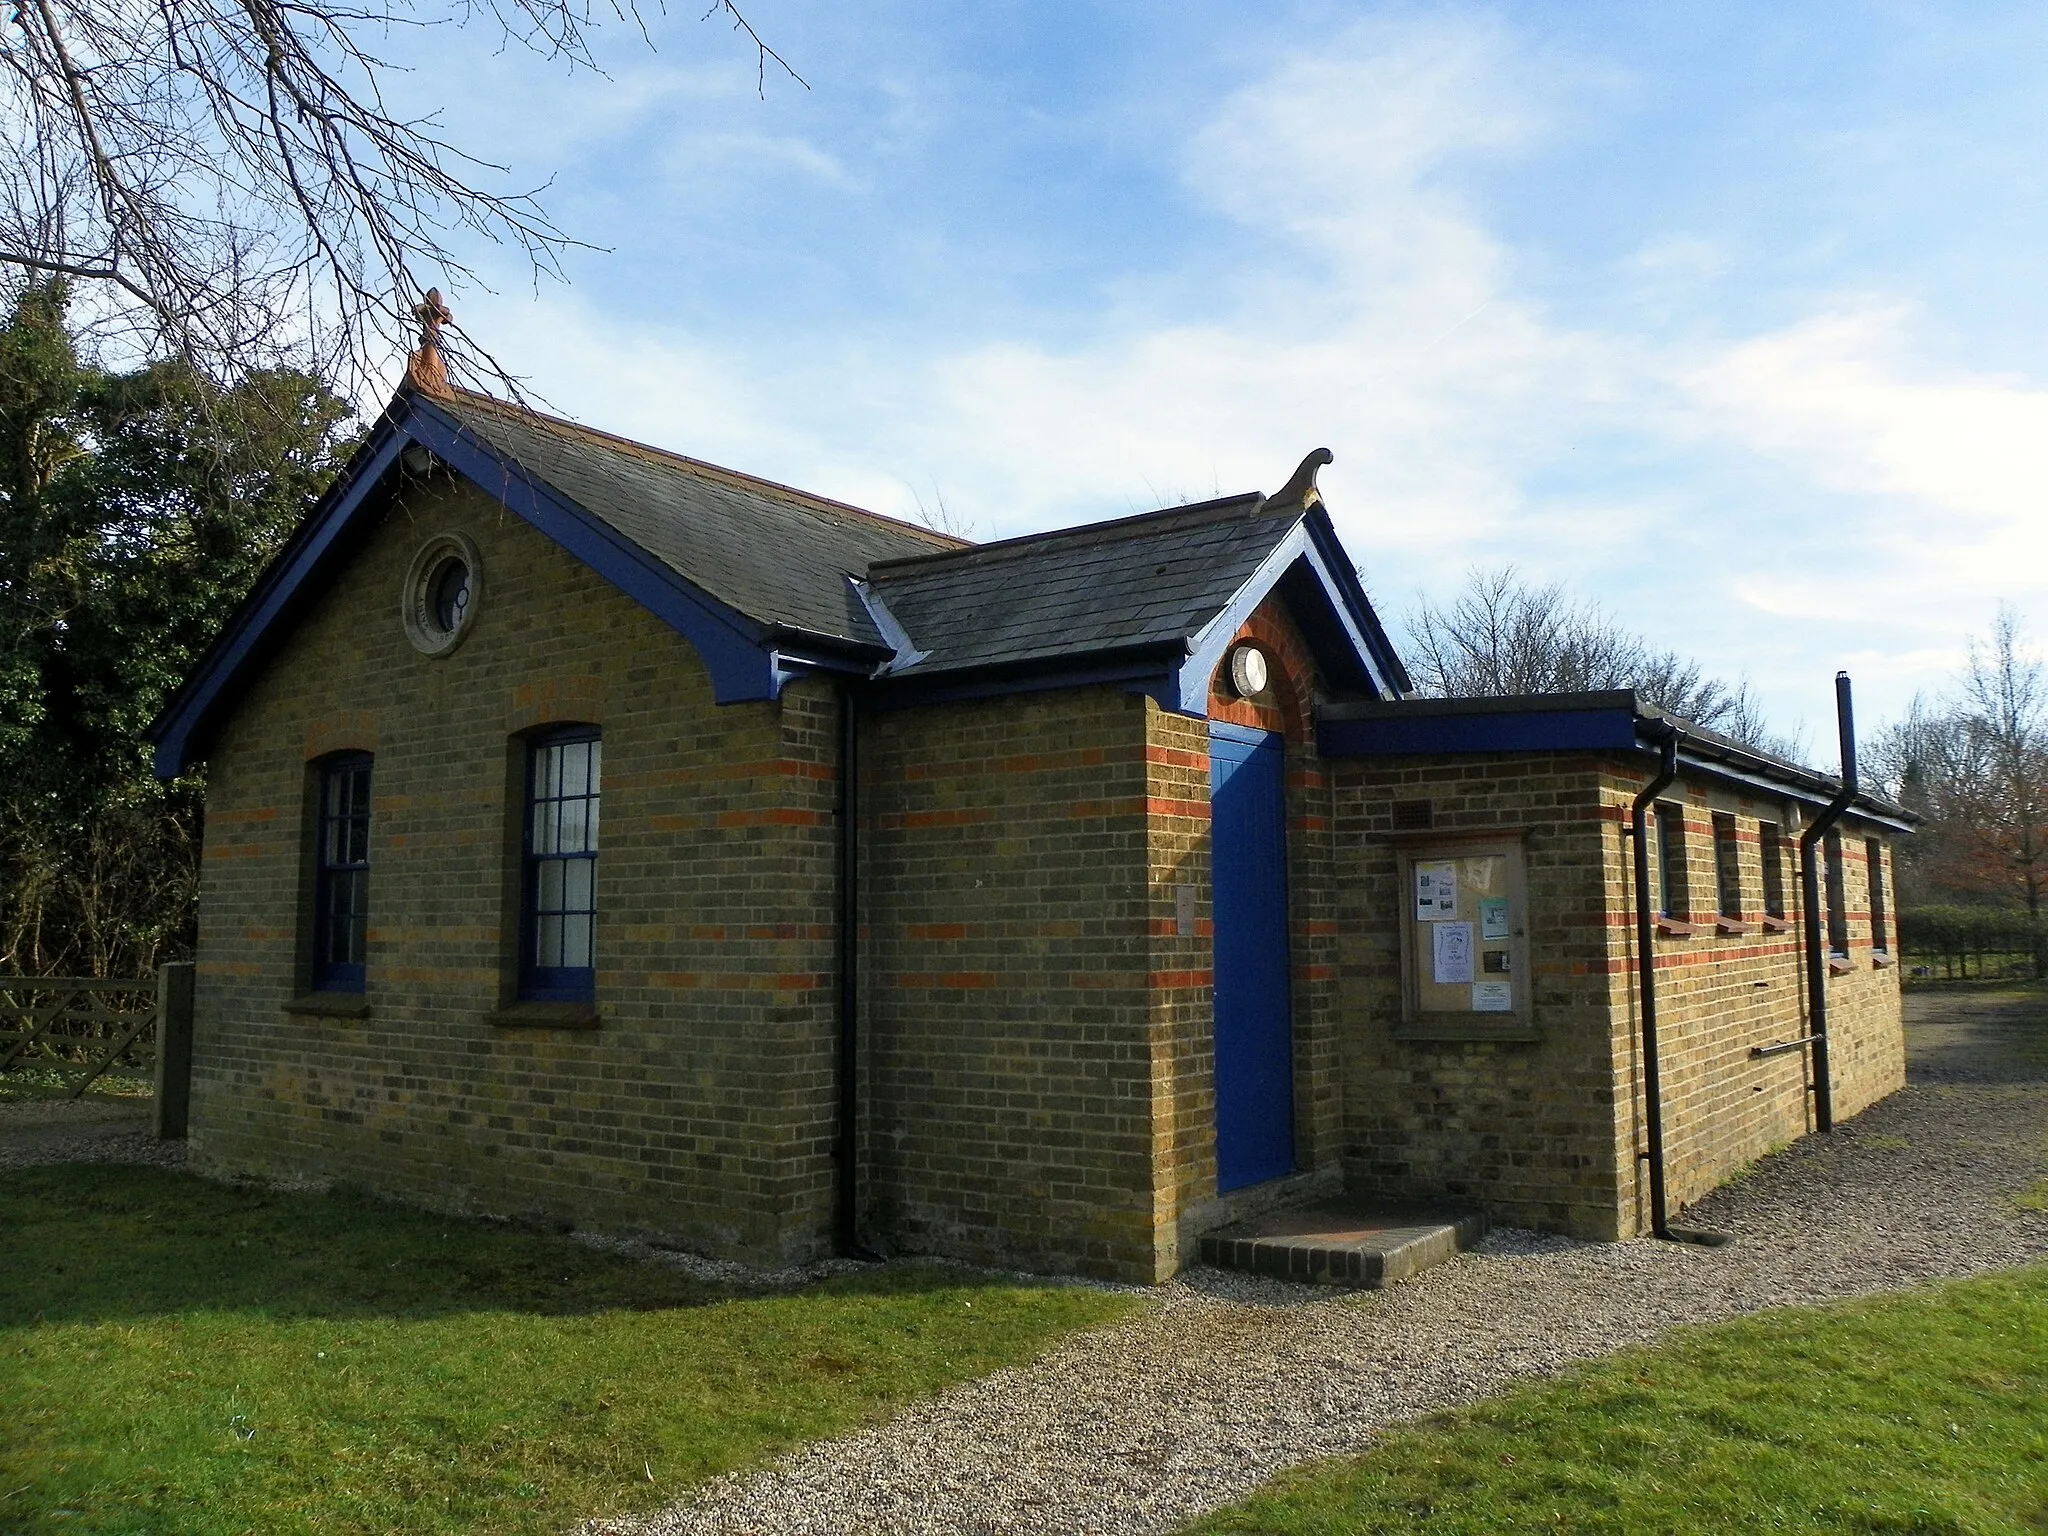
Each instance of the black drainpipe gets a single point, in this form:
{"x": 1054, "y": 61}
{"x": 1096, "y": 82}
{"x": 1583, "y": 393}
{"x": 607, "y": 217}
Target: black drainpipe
{"x": 848, "y": 1202}
{"x": 1646, "y": 970}
{"x": 1809, "y": 893}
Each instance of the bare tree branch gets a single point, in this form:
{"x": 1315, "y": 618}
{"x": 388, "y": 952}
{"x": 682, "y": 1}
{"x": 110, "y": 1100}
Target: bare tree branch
{"x": 1974, "y": 765}
{"x": 1503, "y": 635}
{"x": 228, "y": 185}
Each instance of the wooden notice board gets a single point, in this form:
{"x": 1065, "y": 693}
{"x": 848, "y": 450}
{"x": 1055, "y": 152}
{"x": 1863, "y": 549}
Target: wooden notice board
{"x": 1464, "y": 935}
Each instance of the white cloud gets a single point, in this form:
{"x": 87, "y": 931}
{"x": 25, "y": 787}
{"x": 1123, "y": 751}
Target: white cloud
{"x": 694, "y": 155}
{"x": 1813, "y": 494}
{"x": 1374, "y": 314}
{"x": 1840, "y": 395}
{"x": 1922, "y": 488}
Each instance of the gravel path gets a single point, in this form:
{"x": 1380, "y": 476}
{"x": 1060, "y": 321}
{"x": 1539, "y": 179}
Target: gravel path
{"x": 1140, "y": 1427}
{"x": 36, "y": 1131}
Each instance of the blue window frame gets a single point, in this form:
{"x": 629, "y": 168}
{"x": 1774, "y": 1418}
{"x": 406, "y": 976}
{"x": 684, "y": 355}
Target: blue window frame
{"x": 558, "y": 917}
{"x": 1880, "y": 924}
{"x": 341, "y": 885}
{"x": 1837, "y": 898}
{"x": 1673, "y": 899}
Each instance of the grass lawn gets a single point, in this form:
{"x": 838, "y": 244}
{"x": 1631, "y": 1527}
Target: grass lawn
{"x": 181, "y": 1357}
{"x": 1925, "y": 1412}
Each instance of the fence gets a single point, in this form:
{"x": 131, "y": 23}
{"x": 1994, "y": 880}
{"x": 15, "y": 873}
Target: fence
{"x": 83, "y": 1027}
{"x": 1972, "y": 943}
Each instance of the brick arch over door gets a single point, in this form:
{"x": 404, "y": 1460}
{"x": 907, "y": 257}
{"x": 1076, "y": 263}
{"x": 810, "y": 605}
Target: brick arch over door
{"x": 1292, "y": 687}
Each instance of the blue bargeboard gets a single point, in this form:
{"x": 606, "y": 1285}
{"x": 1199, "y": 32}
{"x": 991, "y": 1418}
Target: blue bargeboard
{"x": 1254, "y": 1022}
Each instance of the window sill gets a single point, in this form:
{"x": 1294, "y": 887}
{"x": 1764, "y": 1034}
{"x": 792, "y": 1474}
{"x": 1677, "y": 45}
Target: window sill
{"x": 1676, "y": 928}
{"x": 330, "y": 1005}
{"x": 1777, "y": 925}
{"x": 1882, "y": 959}
{"x": 1731, "y": 925}
{"x": 546, "y": 1016}
{"x": 1840, "y": 964}
{"x": 1512, "y": 1031}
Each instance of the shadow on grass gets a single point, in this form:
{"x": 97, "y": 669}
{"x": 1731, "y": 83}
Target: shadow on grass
{"x": 87, "y": 1242}
{"x": 184, "y": 1357}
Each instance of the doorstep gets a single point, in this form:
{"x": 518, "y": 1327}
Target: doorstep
{"x": 1343, "y": 1242}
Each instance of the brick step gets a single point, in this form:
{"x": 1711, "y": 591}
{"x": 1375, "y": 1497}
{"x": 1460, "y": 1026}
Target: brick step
{"x": 1359, "y": 1244}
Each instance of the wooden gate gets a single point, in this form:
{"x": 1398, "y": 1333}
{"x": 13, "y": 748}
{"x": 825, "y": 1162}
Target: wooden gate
{"x": 81, "y": 1027}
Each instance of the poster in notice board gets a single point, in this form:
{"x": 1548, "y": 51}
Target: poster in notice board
{"x": 1451, "y": 956}
{"x": 1436, "y": 891}
{"x": 1493, "y": 917}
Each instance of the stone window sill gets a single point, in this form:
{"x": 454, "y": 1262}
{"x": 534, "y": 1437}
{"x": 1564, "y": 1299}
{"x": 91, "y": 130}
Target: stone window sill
{"x": 1882, "y": 959}
{"x": 546, "y": 1016}
{"x": 1731, "y": 925}
{"x": 1676, "y": 928}
{"x": 330, "y": 1005}
{"x": 1777, "y": 925}
{"x": 1513, "y": 1032}
{"x": 1840, "y": 964}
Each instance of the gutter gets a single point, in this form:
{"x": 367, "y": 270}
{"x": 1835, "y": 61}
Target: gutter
{"x": 1572, "y": 722}
{"x": 1809, "y": 895}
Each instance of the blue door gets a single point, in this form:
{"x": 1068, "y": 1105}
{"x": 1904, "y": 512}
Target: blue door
{"x": 1254, "y": 1026}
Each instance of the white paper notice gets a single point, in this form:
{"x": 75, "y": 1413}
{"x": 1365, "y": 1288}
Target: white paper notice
{"x": 1492, "y": 997}
{"x": 1493, "y": 917}
{"x": 1452, "y": 955}
{"x": 1436, "y": 892}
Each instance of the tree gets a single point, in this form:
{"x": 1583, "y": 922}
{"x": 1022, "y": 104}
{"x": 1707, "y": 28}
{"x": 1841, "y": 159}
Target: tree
{"x": 1974, "y": 764}
{"x": 225, "y": 180}
{"x": 1502, "y": 635}
{"x": 135, "y": 509}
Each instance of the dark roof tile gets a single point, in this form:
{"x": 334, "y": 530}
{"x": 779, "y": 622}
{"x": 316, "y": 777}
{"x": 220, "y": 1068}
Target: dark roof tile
{"x": 777, "y": 555}
{"x": 1154, "y": 580}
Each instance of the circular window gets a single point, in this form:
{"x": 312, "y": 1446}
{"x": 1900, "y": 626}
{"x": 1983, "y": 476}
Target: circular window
{"x": 441, "y": 593}
{"x": 1248, "y": 673}
{"x": 451, "y": 594}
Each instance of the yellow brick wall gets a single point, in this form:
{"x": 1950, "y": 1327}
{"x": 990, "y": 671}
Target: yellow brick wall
{"x": 1547, "y": 1132}
{"x": 1524, "y": 1129}
{"x": 1719, "y": 994}
{"x": 702, "y": 1109}
{"x": 1009, "y": 1114}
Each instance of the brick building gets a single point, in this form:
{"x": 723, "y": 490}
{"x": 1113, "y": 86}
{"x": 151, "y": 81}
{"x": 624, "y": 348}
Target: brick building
{"x": 1049, "y": 901}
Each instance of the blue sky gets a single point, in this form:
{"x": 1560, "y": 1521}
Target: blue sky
{"x": 1730, "y": 317}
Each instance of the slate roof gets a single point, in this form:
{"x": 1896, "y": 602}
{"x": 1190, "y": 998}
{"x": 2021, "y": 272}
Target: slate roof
{"x": 782, "y": 557}
{"x": 743, "y": 567}
{"x": 778, "y": 555}
{"x": 1152, "y": 581}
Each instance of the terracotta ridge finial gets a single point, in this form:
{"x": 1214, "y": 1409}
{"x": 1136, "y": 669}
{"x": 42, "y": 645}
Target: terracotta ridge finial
{"x": 1301, "y": 490}
{"x": 425, "y": 369}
